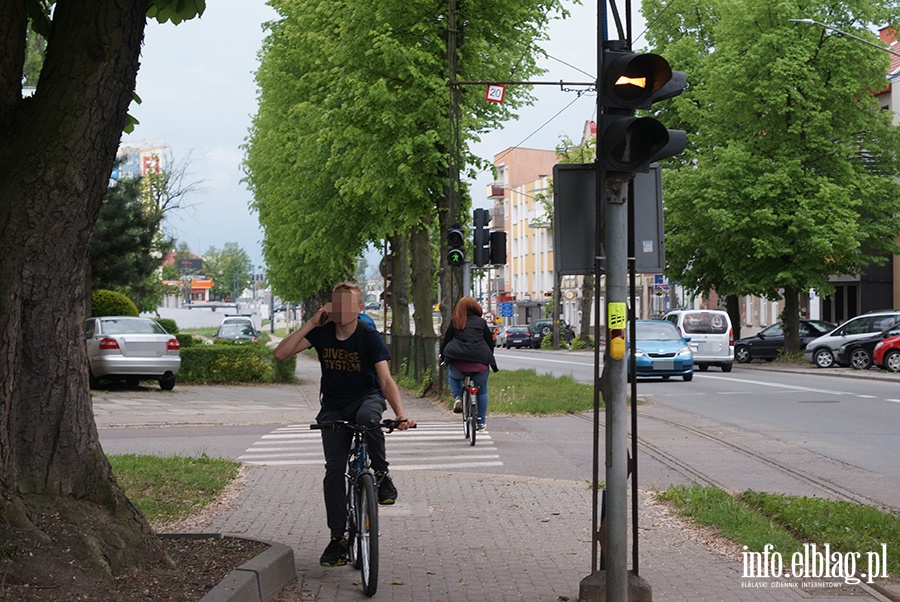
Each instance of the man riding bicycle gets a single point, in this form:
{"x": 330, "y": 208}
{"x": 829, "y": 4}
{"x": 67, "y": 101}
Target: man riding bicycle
{"x": 356, "y": 380}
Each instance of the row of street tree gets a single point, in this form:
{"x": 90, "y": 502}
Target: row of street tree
{"x": 791, "y": 172}
{"x": 355, "y": 140}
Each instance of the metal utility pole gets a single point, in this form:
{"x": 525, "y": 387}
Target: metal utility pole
{"x": 626, "y": 144}
{"x": 616, "y": 526}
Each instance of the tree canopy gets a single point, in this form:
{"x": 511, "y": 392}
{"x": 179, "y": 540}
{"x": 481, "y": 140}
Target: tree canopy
{"x": 229, "y": 268}
{"x": 351, "y": 143}
{"x": 128, "y": 245}
{"x": 790, "y": 173}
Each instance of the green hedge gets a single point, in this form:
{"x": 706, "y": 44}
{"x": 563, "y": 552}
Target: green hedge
{"x": 284, "y": 371}
{"x": 168, "y": 324}
{"x": 251, "y": 362}
{"x": 186, "y": 340}
{"x": 111, "y": 303}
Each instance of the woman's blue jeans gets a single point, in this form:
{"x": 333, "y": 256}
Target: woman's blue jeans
{"x": 480, "y": 380}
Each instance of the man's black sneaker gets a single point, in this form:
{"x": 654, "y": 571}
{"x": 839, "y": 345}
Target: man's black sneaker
{"x": 336, "y": 553}
{"x": 387, "y": 493}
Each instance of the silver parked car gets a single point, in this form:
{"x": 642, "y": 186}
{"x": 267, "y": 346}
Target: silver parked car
{"x": 131, "y": 349}
{"x": 823, "y": 351}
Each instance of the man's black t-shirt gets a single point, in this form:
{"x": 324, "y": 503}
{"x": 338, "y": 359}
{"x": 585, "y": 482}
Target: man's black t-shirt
{"x": 347, "y": 374}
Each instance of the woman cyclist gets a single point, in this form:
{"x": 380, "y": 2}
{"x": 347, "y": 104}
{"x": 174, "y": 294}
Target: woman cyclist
{"x": 468, "y": 347}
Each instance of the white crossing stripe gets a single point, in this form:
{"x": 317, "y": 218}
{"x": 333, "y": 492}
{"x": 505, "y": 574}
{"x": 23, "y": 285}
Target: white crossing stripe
{"x": 430, "y": 446}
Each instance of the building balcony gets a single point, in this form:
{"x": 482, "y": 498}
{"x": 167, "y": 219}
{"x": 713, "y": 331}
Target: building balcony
{"x": 495, "y": 191}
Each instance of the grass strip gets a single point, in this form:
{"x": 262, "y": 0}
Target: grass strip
{"x": 846, "y": 526}
{"x": 170, "y": 488}
{"x": 754, "y": 519}
{"x": 527, "y": 392}
{"x": 735, "y": 519}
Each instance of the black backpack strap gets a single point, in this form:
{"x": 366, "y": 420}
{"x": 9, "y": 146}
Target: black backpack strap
{"x": 362, "y": 347}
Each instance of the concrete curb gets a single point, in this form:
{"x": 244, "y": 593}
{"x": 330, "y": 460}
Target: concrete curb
{"x": 257, "y": 580}
{"x": 837, "y": 371}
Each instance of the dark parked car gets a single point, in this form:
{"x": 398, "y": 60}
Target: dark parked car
{"x": 517, "y": 336}
{"x": 767, "y": 344}
{"x": 131, "y": 349}
{"x": 860, "y": 353}
{"x": 237, "y": 332}
{"x": 544, "y": 328}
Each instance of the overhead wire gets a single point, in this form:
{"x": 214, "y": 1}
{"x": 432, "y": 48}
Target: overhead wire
{"x": 579, "y": 93}
{"x": 655, "y": 19}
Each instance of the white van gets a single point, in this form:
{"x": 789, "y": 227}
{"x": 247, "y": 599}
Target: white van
{"x": 712, "y": 338}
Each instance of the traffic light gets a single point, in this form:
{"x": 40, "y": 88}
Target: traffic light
{"x": 628, "y": 144}
{"x": 456, "y": 256}
{"x": 498, "y": 248}
{"x": 480, "y": 237}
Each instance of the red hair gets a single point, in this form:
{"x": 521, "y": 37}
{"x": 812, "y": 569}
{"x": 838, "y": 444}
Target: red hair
{"x": 466, "y": 307}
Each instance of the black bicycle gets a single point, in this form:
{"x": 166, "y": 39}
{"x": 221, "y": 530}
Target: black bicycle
{"x": 362, "y": 500}
{"x": 469, "y": 407}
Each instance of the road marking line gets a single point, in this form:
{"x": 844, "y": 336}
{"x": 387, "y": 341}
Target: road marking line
{"x": 776, "y": 385}
{"x": 544, "y": 361}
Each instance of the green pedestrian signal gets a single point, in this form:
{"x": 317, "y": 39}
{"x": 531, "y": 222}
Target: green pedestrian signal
{"x": 456, "y": 256}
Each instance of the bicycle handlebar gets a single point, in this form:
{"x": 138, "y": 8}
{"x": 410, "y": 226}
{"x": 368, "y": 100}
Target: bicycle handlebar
{"x": 387, "y": 423}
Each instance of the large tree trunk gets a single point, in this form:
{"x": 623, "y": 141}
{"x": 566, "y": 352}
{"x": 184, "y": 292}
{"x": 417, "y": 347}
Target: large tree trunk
{"x": 791, "y": 320}
{"x": 587, "y": 304}
{"x": 733, "y": 308}
{"x": 57, "y": 150}
{"x": 400, "y": 285}
{"x": 422, "y": 279}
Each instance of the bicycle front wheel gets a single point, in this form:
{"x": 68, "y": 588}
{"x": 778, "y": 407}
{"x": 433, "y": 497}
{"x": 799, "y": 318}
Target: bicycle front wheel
{"x": 367, "y": 532}
{"x": 352, "y": 525}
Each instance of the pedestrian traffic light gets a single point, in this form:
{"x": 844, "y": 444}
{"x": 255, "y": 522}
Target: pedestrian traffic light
{"x": 481, "y": 237}
{"x": 456, "y": 256}
{"x": 631, "y": 81}
{"x": 498, "y": 248}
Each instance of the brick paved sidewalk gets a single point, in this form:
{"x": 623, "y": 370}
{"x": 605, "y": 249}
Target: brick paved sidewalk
{"x": 476, "y": 537}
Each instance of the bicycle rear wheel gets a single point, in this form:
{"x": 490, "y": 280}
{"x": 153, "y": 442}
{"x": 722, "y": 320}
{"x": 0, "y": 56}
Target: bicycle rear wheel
{"x": 470, "y": 415}
{"x": 367, "y": 532}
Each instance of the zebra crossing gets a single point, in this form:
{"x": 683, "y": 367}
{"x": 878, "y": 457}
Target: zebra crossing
{"x": 430, "y": 446}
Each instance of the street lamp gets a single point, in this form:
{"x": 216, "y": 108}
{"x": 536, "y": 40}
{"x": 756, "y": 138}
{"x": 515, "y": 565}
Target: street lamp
{"x": 843, "y": 33}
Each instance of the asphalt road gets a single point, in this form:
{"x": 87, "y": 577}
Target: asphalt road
{"x": 848, "y": 427}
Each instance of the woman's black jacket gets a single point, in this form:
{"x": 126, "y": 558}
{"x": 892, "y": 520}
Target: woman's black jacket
{"x": 474, "y": 343}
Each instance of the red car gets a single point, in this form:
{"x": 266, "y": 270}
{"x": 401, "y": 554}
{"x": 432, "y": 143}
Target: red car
{"x": 887, "y": 354}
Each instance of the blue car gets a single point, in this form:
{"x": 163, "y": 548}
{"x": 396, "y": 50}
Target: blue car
{"x": 661, "y": 351}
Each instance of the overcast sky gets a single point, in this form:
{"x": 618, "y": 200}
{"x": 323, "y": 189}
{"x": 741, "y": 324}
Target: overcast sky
{"x": 198, "y": 93}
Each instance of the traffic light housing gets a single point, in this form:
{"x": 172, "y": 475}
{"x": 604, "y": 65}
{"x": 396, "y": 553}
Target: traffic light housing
{"x": 481, "y": 237}
{"x": 630, "y": 81}
{"x": 456, "y": 255}
{"x": 498, "y": 248}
